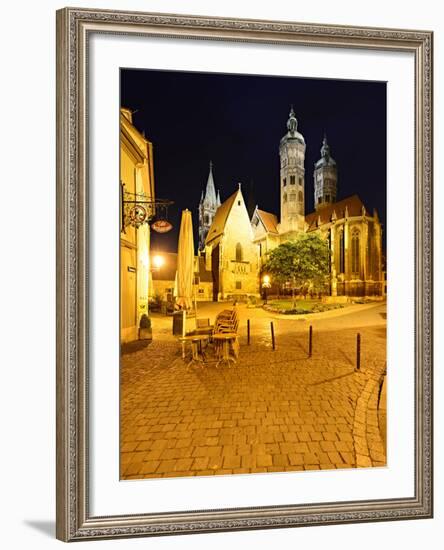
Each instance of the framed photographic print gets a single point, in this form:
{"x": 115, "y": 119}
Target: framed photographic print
{"x": 244, "y": 274}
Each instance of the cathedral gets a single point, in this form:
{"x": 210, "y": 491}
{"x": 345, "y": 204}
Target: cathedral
{"x": 235, "y": 247}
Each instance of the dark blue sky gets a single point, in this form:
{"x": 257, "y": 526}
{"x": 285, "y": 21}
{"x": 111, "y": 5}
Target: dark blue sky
{"x": 237, "y": 121}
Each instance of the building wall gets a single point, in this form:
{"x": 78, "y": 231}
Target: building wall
{"x": 356, "y": 269}
{"x": 204, "y": 292}
{"x": 137, "y": 176}
{"x": 239, "y": 259}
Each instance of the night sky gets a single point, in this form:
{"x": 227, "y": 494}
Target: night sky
{"x": 237, "y": 122}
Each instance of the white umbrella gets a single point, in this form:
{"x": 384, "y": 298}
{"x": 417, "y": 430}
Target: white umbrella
{"x": 185, "y": 262}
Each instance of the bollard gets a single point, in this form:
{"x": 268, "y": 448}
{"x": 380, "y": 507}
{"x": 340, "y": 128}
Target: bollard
{"x": 310, "y": 341}
{"x": 248, "y": 331}
{"x": 358, "y": 351}
{"x": 272, "y": 335}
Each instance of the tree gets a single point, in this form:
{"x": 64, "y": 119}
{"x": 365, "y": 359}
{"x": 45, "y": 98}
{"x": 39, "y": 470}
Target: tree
{"x": 304, "y": 262}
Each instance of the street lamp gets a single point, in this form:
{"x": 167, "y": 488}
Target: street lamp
{"x": 266, "y": 284}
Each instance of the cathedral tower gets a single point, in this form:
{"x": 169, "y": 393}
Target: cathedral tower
{"x": 292, "y": 173}
{"x": 325, "y": 178}
{"x": 208, "y": 205}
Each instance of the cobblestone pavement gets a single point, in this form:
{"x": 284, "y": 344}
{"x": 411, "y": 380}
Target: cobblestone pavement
{"x": 272, "y": 411}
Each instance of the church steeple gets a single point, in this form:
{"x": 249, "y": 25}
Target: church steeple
{"x": 292, "y": 173}
{"x": 325, "y": 177}
{"x": 210, "y": 192}
{"x": 208, "y": 205}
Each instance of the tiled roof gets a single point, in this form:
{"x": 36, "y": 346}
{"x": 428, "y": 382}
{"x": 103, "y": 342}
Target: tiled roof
{"x": 353, "y": 204}
{"x": 269, "y": 220}
{"x": 220, "y": 218}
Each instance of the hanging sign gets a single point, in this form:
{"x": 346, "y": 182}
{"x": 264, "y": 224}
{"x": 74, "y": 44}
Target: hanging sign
{"x": 161, "y": 226}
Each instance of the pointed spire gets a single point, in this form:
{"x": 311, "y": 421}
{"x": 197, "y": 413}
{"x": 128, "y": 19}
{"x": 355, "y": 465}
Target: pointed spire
{"x": 218, "y": 203}
{"x": 210, "y": 192}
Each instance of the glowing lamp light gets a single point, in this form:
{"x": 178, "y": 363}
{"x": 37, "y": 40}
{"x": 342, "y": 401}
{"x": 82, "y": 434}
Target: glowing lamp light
{"x": 158, "y": 261}
{"x": 266, "y": 279}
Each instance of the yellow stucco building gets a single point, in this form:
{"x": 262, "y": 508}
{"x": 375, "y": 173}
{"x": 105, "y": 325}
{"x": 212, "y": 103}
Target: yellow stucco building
{"x": 136, "y": 178}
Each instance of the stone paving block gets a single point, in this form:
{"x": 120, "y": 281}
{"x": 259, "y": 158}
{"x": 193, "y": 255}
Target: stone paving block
{"x": 232, "y": 461}
{"x": 330, "y": 436}
{"x": 310, "y": 458}
{"x": 296, "y": 459}
{"x": 280, "y": 460}
{"x": 149, "y": 467}
{"x": 327, "y": 446}
{"x": 200, "y": 463}
{"x": 264, "y": 460}
{"x": 183, "y": 464}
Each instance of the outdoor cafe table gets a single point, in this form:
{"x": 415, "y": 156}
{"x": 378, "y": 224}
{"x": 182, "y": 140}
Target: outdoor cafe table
{"x": 196, "y": 347}
{"x": 225, "y": 338}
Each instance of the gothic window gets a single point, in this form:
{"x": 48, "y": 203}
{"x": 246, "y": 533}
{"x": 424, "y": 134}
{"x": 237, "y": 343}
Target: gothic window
{"x": 327, "y": 198}
{"x": 206, "y": 219}
{"x": 341, "y": 253}
{"x": 319, "y": 200}
{"x": 284, "y": 181}
{"x": 238, "y": 252}
{"x": 292, "y": 180}
{"x": 285, "y": 197}
{"x": 300, "y": 196}
{"x": 300, "y": 181}
{"x": 238, "y": 285}
{"x": 355, "y": 252}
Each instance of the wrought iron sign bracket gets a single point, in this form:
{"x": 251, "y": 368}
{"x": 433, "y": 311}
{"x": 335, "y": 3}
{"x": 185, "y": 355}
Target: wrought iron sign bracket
{"x": 137, "y": 209}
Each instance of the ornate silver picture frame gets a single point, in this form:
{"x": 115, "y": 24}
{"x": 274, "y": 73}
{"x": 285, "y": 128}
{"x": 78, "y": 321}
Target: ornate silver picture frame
{"x": 75, "y": 521}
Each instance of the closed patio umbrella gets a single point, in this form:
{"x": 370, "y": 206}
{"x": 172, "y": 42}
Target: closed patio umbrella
{"x": 185, "y": 265}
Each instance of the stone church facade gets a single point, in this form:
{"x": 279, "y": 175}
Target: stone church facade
{"x": 236, "y": 247}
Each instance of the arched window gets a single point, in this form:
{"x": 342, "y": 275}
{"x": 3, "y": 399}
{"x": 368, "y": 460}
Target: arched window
{"x": 207, "y": 219}
{"x": 238, "y": 252}
{"x": 300, "y": 196}
{"x": 285, "y": 197}
{"x": 355, "y": 252}
{"x": 341, "y": 252}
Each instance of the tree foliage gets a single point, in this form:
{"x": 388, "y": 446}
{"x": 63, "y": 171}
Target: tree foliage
{"x": 304, "y": 262}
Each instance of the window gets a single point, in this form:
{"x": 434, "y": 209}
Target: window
{"x": 285, "y": 197}
{"x": 300, "y": 181}
{"x": 341, "y": 253}
{"x": 238, "y": 285}
{"x": 300, "y": 196}
{"x": 355, "y": 252}
{"x": 284, "y": 181}
{"x": 319, "y": 200}
{"x": 238, "y": 203}
{"x": 206, "y": 219}
{"x": 238, "y": 252}
{"x": 292, "y": 180}
{"x": 327, "y": 198}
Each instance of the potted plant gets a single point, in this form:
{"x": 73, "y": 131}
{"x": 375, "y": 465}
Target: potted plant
{"x": 145, "y": 330}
